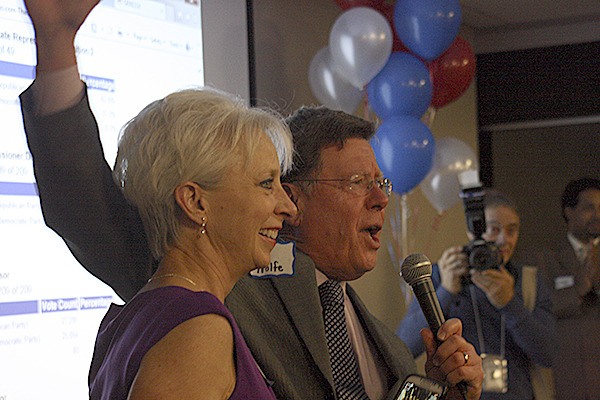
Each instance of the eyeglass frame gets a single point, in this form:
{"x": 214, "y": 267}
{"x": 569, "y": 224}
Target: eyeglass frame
{"x": 384, "y": 184}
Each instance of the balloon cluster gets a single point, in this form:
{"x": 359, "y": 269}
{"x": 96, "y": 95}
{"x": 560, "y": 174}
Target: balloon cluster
{"x": 406, "y": 58}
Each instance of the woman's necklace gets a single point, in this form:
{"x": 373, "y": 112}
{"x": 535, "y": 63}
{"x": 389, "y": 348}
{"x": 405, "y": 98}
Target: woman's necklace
{"x": 172, "y": 275}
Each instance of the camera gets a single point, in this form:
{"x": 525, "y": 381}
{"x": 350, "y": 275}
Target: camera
{"x": 481, "y": 254}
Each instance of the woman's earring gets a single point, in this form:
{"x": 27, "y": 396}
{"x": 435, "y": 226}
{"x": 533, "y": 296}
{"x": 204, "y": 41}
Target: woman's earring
{"x": 203, "y": 226}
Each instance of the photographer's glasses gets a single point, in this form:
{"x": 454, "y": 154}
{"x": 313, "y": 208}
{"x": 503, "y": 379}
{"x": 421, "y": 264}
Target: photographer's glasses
{"x": 359, "y": 185}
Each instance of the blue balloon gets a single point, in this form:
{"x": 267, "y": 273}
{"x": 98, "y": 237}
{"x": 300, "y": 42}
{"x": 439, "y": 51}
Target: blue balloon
{"x": 427, "y": 27}
{"x": 404, "y": 148}
{"x": 402, "y": 87}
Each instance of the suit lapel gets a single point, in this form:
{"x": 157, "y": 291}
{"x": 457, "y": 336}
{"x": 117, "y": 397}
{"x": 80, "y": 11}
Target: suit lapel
{"x": 568, "y": 258}
{"x": 304, "y": 309}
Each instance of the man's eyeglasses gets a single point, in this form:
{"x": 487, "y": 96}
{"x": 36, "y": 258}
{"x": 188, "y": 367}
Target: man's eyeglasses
{"x": 359, "y": 185}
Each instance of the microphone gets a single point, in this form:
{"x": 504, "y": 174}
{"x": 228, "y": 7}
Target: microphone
{"x": 416, "y": 271}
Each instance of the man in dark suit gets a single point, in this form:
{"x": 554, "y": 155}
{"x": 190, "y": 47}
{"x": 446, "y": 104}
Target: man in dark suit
{"x": 572, "y": 267}
{"x": 336, "y": 185}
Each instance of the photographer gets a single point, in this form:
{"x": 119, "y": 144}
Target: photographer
{"x": 489, "y": 301}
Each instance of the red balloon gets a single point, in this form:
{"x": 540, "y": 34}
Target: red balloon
{"x": 386, "y": 9}
{"x": 346, "y": 4}
{"x": 388, "y": 12}
{"x": 452, "y": 72}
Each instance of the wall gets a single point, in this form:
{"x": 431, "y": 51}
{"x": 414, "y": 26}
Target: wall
{"x": 288, "y": 33}
{"x": 533, "y": 166}
{"x": 539, "y": 116}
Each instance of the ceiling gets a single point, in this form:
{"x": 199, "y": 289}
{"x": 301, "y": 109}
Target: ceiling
{"x": 500, "y": 25}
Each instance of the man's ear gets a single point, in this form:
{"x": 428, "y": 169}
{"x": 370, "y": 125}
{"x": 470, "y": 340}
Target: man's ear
{"x": 190, "y": 198}
{"x": 295, "y": 194}
{"x": 568, "y": 213}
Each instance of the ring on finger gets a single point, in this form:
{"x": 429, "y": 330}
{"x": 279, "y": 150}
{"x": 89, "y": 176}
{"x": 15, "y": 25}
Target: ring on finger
{"x": 466, "y": 357}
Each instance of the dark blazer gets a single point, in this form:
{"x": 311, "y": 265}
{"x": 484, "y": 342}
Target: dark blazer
{"x": 80, "y": 200}
{"x": 577, "y": 364}
{"x": 280, "y": 317}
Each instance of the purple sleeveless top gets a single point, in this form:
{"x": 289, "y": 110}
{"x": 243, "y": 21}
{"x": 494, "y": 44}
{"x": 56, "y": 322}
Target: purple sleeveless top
{"x": 128, "y": 332}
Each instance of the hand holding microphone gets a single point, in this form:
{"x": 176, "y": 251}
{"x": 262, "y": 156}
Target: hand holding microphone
{"x": 450, "y": 357}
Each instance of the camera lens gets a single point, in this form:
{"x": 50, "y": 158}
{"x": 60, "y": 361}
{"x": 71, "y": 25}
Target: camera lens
{"x": 483, "y": 255}
{"x": 480, "y": 257}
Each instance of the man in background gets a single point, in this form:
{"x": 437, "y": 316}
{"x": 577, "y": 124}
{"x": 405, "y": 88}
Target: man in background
{"x": 572, "y": 267}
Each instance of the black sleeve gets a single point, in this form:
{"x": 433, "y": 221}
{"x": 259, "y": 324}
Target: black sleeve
{"x": 81, "y": 202}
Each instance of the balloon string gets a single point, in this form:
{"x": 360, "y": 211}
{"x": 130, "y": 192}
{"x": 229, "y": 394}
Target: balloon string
{"x": 414, "y": 225}
{"x": 429, "y": 116}
{"x": 435, "y": 227}
{"x": 394, "y": 244}
{"x": 397, "y": 246}
{"x": 404, "y": 204}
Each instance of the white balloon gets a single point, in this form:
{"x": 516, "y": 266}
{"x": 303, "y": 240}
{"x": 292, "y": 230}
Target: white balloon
{"x": 360, "y": 43}
{"x": 441, "y": 187}
{"x": 329, "y": 87}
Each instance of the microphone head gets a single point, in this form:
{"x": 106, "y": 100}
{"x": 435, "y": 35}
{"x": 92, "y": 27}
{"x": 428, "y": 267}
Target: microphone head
{"x": 415, "y": 267}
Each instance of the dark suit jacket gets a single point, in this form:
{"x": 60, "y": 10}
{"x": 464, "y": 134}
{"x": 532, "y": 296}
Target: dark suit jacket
{"x": 577, "y": 366}
{"x": 279, "y": 317}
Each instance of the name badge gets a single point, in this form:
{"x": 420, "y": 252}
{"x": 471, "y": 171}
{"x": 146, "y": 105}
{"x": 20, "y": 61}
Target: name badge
{"x": 564, "y": 282}
{"x": 282, "y": 263}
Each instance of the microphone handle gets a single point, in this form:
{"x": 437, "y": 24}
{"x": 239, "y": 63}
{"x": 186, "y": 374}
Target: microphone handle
{"x": 430, "y": 305}
{"x": 427, "y": 298}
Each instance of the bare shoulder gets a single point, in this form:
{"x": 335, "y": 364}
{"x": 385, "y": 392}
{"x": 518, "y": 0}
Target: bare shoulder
{"x": 194, "y": 360}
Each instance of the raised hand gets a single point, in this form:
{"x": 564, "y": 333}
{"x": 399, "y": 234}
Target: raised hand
{"x": 453, "y": 266}
{"x": 56, "y": 22}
